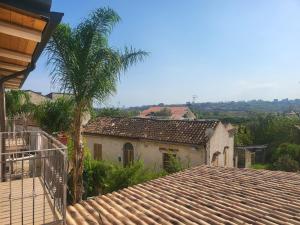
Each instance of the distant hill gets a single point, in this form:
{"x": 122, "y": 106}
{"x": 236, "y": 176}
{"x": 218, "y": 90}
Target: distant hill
{"x": 236, "y": 112}
{"x": 276, "y": 106}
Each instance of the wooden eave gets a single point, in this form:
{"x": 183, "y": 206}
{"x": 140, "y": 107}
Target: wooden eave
{"x": 23, "y": 36}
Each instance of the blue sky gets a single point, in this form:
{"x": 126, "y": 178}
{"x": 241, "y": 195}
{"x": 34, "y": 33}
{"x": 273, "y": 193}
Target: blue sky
{"x": 215, "y": 49}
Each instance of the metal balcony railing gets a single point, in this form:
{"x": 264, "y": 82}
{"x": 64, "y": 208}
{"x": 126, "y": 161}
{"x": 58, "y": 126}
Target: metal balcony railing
{"x": 19, "y": 124}
{"x": 33, "y": 177}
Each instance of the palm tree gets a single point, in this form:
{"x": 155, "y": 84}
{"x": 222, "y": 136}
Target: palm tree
{"x": 18, "y": 105}
{"x": 84, "y": 65}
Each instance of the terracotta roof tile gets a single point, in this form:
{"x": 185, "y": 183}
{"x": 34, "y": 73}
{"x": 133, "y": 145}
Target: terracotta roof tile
{"x": 201, "y": 195}
{"x": 179, "y": 131}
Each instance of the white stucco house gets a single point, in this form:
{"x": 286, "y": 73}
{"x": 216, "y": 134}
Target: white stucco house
{"x": 195, "y": 142}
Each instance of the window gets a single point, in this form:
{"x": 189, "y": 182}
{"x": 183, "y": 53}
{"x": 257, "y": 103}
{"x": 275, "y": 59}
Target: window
{"x": 225, "y": 153}
{"x": 128, "y": 154}
{"x": 98, "y": 151}
{"x": 215, "y": 159}
{"x": 167, "y": 159}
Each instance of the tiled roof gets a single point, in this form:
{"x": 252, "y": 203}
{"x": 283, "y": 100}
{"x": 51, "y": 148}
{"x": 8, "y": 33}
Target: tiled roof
{"x": 201, "y": 195}
{"x": 179, "y": 131}
{"x": 177, "y": 112}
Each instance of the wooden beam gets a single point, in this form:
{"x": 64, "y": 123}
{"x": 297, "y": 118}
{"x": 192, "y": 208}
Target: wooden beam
{"x": 5, "y": 72}
{"x": 15, "y": 55}
{"x": 10, "y": 85}
{"x": 11, "y": 67}
{"x": 19, "y": 31}
{"x": 13, "y": 82}
{"x": 20, "y": 78}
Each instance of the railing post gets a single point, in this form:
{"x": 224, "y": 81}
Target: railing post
{"x": 2, "y": 129}
{"x": 65, "y": 180}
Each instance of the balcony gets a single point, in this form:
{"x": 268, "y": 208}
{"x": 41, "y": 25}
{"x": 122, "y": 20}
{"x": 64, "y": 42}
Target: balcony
{"x": 32, "y": 178}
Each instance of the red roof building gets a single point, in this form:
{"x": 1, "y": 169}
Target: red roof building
{"x": 176, "y": 112}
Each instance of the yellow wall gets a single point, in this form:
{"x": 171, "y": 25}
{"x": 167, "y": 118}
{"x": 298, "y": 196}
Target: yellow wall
{"x": 217, "y": 143}
{"x": 147, "y": 151}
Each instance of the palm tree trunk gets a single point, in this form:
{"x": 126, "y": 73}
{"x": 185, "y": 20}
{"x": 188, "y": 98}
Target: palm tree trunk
{"x": 77, "y": 158}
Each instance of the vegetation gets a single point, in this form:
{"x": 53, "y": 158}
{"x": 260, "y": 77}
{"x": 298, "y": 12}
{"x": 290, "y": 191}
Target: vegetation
{"x": 243, "y": 136}
{"x": 84, "y": 65}
{"x": 259, "y": 166}
{"x": 115, "y": 112}
{"x": 101, "y": 177}
{"x": 286, "y": 157}
{"x": 242, "y": 108}
{"x": 18, "y": 104}
{"x": 174, "y": 164}
{"x": 55, "y": 116}
{"x": 272, "y": 130}
{"x": 280, "y": 133}
{"x": 286, "y": 163}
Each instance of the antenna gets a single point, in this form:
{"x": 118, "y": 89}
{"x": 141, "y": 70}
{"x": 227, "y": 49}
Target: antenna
{"x": 195, "y": 97}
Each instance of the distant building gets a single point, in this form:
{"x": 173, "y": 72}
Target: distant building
{"x": 292, "y": 114}
{"x": 246, "y": 156}
{"x": 174, "y": 112}
{"x": 195, "y": 142}
{"x": 37, "y": 97}
{"x": 56, "y": 95}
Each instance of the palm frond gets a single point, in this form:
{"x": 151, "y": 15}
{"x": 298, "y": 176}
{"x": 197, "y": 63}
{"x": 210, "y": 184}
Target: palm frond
{"x": 131, "y": 56}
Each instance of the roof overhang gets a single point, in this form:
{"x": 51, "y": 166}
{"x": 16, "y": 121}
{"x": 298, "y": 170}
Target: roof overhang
{"x": 25, "y": 28}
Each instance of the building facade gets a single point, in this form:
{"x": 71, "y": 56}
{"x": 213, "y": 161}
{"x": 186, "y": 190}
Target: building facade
{"x": 193, "y": 143}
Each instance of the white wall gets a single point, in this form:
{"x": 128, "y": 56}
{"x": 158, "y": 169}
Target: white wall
{"x": 220, "y": 139}
{"x": 147, "y": 151}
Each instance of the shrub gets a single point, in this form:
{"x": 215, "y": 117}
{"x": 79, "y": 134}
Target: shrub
{"x": 95, "y": 176}
{"x": 286, "y": 163}
{"x": 101, "y": 177}
{"x": 55, "y": 116}
{"x": 174, "y": 164}
{"x": 293, "y": 150}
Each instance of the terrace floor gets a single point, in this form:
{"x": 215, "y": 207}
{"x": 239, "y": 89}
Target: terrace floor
{"x": 11, "y": 209}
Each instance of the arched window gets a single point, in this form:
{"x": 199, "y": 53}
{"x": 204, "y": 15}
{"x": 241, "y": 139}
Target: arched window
{"x": 225, "y": 156}
{"x": 215, "y": 159}
{"x": 128, "y": 154}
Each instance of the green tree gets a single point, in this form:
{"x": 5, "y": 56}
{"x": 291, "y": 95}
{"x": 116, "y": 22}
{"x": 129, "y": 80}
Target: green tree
{"x": 286, "y": 163}
{"x": 243, "y": 136}
{"x": 55, "y": 116}
{"x": 292, "y": 150}
{"x": 84, "y": 64}
{"x": 115, "y": 112}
